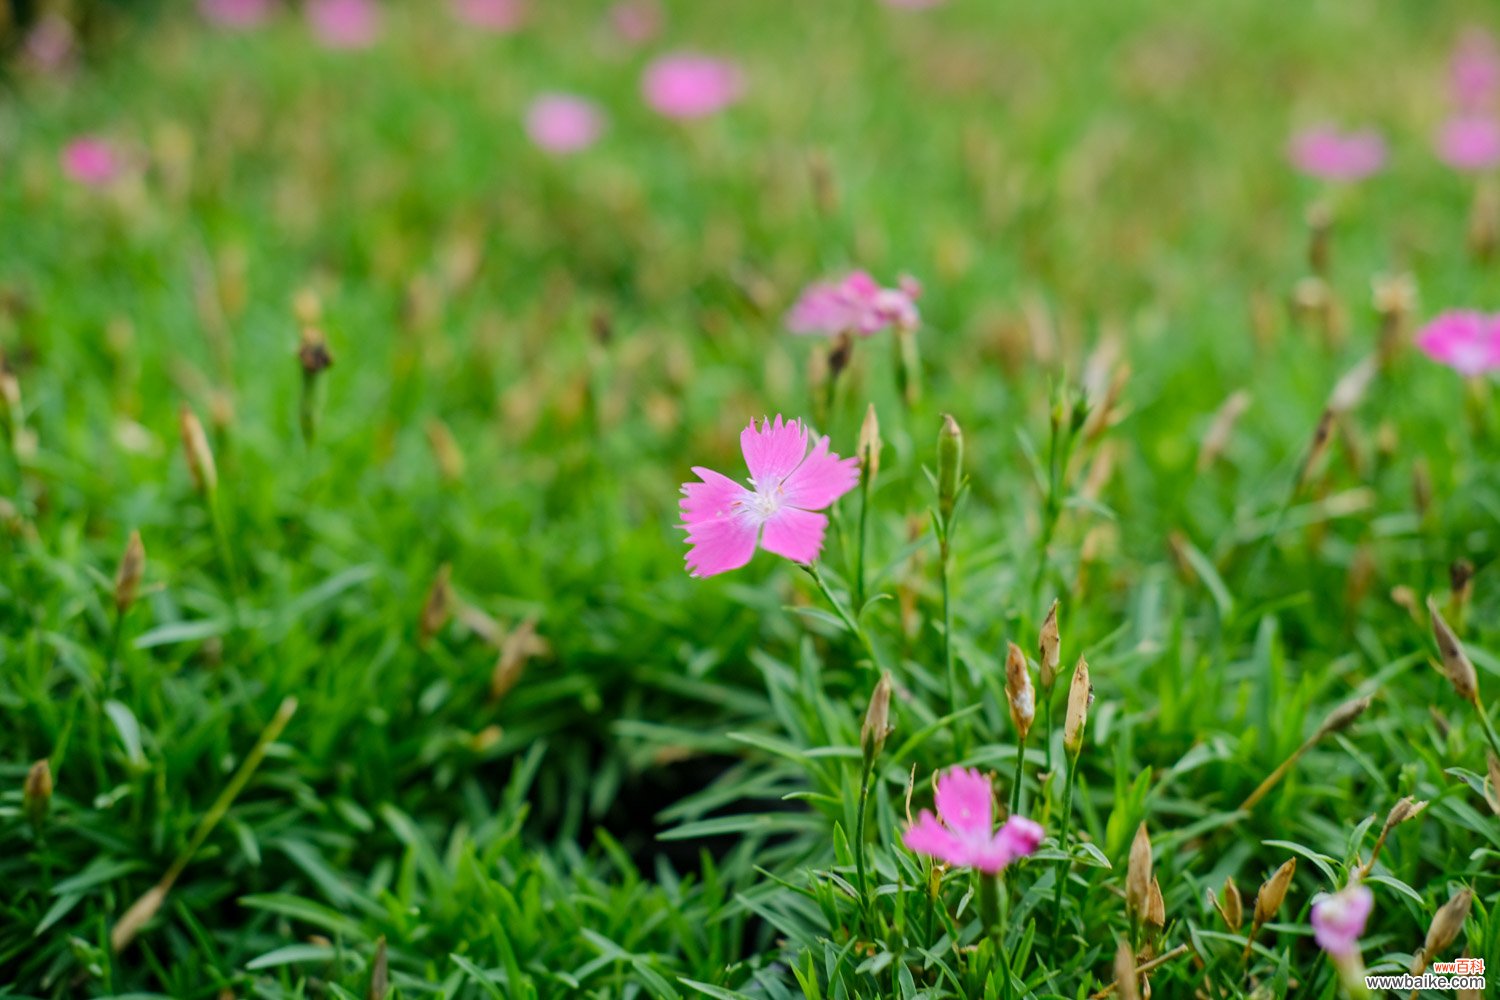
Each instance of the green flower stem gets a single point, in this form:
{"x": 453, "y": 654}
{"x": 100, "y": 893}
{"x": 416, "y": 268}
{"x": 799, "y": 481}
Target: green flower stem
{"x": 1015, "y": 791}
{"x": 864, "y": 541}
{"x": 861, "y": 877}
{"x": 849, "y": 621}
{"x": 1062, "y": 837}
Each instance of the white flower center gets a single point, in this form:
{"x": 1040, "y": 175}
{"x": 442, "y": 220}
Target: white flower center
{"x": 763, "y": 504}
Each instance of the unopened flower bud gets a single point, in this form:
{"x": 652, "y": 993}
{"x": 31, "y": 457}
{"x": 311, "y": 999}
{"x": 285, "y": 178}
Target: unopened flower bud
{"x": 1156, "y": 907}
{"x": 1232, "y": 904}
{"x": 1456, "y": 663}
{"x": 36, "y": 794}
{"x": 1273, "y": 891}
{"x": 1080, "y": 696}
{"x": 1019, "y": 692}
{"x": 439, "y": 604}
{"x": 1049, "y": 645}
{"x": 869, "y": 446}
{"x": 1126, "y": 982}
{"x": 950, "y": 465}
{"x": 128, "y": 576}
{"x": 312, "y": 352}
{"x": 877, "y": 725}
{"x": 1138, "y": 874}
{"x": 1343, "y": 716}
{"x": 1446, "y": 924}
{"x": 200, "y": 457}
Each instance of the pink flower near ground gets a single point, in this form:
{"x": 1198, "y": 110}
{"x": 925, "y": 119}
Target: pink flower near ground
{"x": 963, "y": 831}
{"x": 636, "y": 21}
{"x": 91, "y": 160}
{"x": 1339, "y": 920}
{"x": 1470, "y": 142}
{"x": 725, "y": 521}
{"x": 344, "y": 24}
{"x": 1464, "y": 340}
{"x": 855, "y": 304}
{"x": 1474, "y": 72}
{"x": 561, "y": 123}
{"x": 1330, "y": 154}
{"x": 685, "y": 85}
{"x": 237, "y": 15}
{"x": 499, "y": 16}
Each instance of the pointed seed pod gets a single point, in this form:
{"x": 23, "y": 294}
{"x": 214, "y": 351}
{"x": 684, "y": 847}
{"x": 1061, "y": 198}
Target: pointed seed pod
{"x": 439, "y": 604}
{"x": 380, "y": 975}
{"x": 1019, "y": 692}
{"x": 1156, "y": 906}
{"x": 445, "y": 451}
{"x": 128, "y": 576}
{"x": 1405, "y": 809}
{"x": 1456, "y": 663}
{"x": 36, "y": 794}
{"x": 1138, "y": 874}
{"x": 950, "y": 465}
{"x": 1446, "y": 924}
{"x": 1273, "y": 891}
{"x": 1125, "y": 976}
{"x": 1080, "y": 695}
{"x": 1232, "y": 904}
{"x": 877, "y": 725}
{"x": 1343, "y": 716}
{"x": 200, "y": 457}
{"x": 869, "y": 445}
{"x": 1049, "y": 644}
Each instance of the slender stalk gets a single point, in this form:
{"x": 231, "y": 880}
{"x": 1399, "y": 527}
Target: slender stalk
{"x": 989, "y": 902}
{"x": 849, "y": 621}
{"x": 1047, "y": 712}
{"x": 1062, "y": 838}
{"x": 859, "y": 845}
{"x": 943, "y": 572}
{"x": 864, "y": 541}
{"x": 1489, "y": 727}
{"x": 1015, "y": 791}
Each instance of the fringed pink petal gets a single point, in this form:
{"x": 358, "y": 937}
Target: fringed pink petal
{"x": 821, "y": 479}
{"x": 928, "y": 836}
{"x": 966, "y": 802}
{"x": 773, "y": 450}
{"x": 795, "y": 534}
{"x": 720, "y": 537}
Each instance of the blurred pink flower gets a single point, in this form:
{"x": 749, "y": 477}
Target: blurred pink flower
{"x": 51, "y": 43}
{"x": 1470, "y": 142}
{"x": 1463, "y": 339}
{"x": 238, "y": 15}
{"x": 966, "y": 835}
{"x": 344, "y": 24}
{"x": 1324, "y": 151}
{"x": 636, "y": 21}
{"x": 93, "y": 161}
{"x": 500, "y": 16}
{"x": 561, "y": 123}
{"x": 1474, "y": 71}
{"x": 1339, "y": 920}
{"x": 857, "y": 304}
{"x": 724, "y": 520}
{"x": 685, "y": 85}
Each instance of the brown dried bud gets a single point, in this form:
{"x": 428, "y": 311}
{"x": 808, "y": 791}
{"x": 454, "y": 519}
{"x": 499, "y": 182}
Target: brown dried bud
{"x": 380, "y": 975}
{"x": 1322, "y": 437}
{"x": 1455, "y": 662}
{"x": 1273, "y": 891}
{"x": 839, "y": 354}
{"x": 439, "y": 604}
{"x": 519, "y": 646}
{"x": 869, "y": 445}
{"x": 1080, "y": 696}
{"x": 1138, "y": 874}
{"x": 1461, "y": 579}
{"x": 128, "y": 576}
{"x": 1222, "y": 428}
{"x": 1125, "y": 976}
{"x": 1343, "y": 717}
{"x": 1494, "y": 767}
{"x": 36, "y": 794}
{"x": 445, "y": 450}
{"x": 1446, "y": 924}
{"x": 1232, "y": 904}
{"x": 1156, "y": 907}
{"x": 200, "y": 457}
{"x": 137, "y": 917}
{"x": 877, "y": 725}
{"x": 1407, "y": 808}
{"x": 1018, "y": 691}
{"x": 312, "y": 353}
{"x": 1049, "y": 644}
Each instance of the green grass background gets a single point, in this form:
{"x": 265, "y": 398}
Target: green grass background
{"x": 1057, "y": 175}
